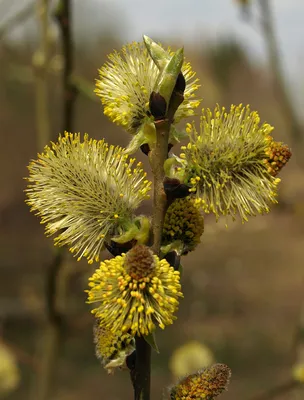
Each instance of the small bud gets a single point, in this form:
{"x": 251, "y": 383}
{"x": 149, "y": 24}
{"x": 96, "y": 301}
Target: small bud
{"x": 145, "y": 148}
{"x": 158, "y": 106}
{"x": 170, "y": 145}
{"x": 205, "y": 384}
{"x": 180, "y": 84}
{"x": 184, "y": 223}
{"x": 173, "y": 259}
{"x": 278, "y": 155}
{"x": 116, "y": 249}
{"x": 174, "y": 189}
{"x": 131, "y": 360}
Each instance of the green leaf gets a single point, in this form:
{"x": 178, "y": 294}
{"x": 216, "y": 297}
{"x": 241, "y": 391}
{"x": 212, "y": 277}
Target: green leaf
{"x": 150, "y": 339}
{"x": 168, "y": 77}
{"x": 160, "y": 56}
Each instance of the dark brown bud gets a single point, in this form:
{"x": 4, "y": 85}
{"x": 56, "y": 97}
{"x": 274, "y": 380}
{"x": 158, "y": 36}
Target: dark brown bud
{"x": 116, "y": 249}
{"x": 180, "y": 84}
{"x": 131, "y": 360}
{"x": 158, "y": 106}
{"x": 173, "y": 259}
{"x": 145, "y": 148}
{"x": 174, "y": 189}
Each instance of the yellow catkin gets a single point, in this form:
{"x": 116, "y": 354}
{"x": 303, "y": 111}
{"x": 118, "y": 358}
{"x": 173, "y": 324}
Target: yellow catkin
{"x": 131, "y": 299}
{"x": 84, "y": 191}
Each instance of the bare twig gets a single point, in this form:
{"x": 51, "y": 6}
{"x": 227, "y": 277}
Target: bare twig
{"x": 157, "y": 158}
{"x": 142, "y": 371}
{"x": 140, "y": 375}
{"x": 84, "y": 87}
{"x": 280, "y": 84}
{"x": 50, "y": 347}
{"x": 57, "y": 278}
{"x": 64, "y": 18}
{"x": 24, "y": 74}
{"x": 40, "y": 63}
{"x": 47, "y": 347}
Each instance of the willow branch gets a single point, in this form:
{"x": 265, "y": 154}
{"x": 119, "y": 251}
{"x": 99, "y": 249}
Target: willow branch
{"x": 157, "y": 158}
{"x": 50, "y": 347}
{"x": 275, "y": 63}
{"x": 40, "y": 63}
{"x": 141, "y": 375}
{"x": 64, "y": 17}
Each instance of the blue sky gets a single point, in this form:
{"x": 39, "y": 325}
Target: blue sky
{"x": 190, "y": 22}
{"x": 201, "y": 20}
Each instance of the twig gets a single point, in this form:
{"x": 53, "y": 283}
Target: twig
{"x": 55, "y": 294}
{"x": 40, "y": 63}
{"x": 24, "y": 74}
{"x": 277, "y": 69}
{"x": 142, "y": 371}
{"x": 57, "y": 279}
{"x": 48, "y": 347}
{"x": 84, "y": 87}
{"x": 141, "y": 374}
{"x": 64, "y": 17}
{"x": 157, "y": 158}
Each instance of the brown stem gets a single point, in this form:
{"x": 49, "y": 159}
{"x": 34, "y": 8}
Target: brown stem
{"x": 157, "y": 158}
{"x": 63, "y": 15}
{"x": 56, "y": 278}
{"x": 40, "y": 64}
{"x": 141, "y": 374}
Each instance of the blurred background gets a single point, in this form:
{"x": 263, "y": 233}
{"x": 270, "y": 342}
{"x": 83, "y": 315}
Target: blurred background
{"x": 243, "y": 287}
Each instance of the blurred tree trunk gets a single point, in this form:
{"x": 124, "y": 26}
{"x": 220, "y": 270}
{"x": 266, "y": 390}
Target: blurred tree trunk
{"x": 279, "y": 81}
